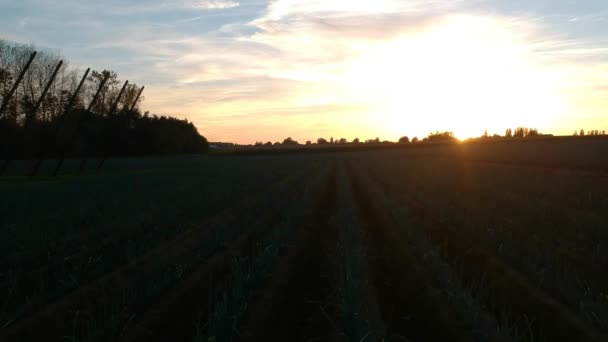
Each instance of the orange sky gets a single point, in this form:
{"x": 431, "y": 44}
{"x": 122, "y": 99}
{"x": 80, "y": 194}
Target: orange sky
{"x": 264, "y": 70}
{"x": 460, "y": 72}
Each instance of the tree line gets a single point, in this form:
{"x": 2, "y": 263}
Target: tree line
{"x": 320, "y": 141}
{"x": 434, "y": 137}
{"x": 56, "y": 111}
{"x": 593, "y": 132}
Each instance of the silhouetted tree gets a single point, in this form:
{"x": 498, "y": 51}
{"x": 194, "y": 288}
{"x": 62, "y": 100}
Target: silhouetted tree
{"x": 404, "y": 140}
{"x": 57, "y": 130}
{"x": 592, "y": 132}
{"x": 308, "y": 142}
{"x": 108, "y": 93}
{"x": 415, "y": 140}
{"x": 524, "y": 132}
{"x": 441, "y": 137}
{"x": 342, "y": 141}
{"x": 289, "y": 141}
{"x": 356, "y": 141}
{"x": 321, "y": 141}
{"x": 532, "y": 133}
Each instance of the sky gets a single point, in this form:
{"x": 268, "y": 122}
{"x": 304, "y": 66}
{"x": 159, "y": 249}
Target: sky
{"x": 252, "y": 70}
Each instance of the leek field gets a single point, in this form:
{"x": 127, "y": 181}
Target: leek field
{"x": 450, "y": 242}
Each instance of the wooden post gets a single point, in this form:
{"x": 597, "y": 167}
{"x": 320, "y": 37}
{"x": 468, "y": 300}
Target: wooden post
{"x": 112, "y": 111}
{"x": 103, "y": 83}
{"x": 75, "y": 95}
{"x": 6, "y": 100}
{"x": 65, "y": 112}
{"x": 103, "y": 159}
{"x": 137, "y": 99}
{"x": 46, "y": 89}
{"x": 118, "y": 97}
{"x": 36, "y": 108}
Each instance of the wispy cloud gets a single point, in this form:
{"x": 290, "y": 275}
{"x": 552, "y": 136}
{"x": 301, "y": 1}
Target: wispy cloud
{"x": 213, "y": 4}
{"x": 121, "y": 8}
{"x": 338, "y": 64}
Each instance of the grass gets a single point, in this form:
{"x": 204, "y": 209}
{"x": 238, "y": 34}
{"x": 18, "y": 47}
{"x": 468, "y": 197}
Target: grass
{"x": 72, "y": 219}
{"x": 473, "y": 218}
{"x": 525, "y": 220}
{"x": 147, "y": 290}
{"x": 228, "y": 303}
{"x": 360, "y": 318}
{"x": 446, "y": 283}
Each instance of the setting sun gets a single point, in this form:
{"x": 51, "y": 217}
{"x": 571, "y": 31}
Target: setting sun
{"x": 246, "y": 72}
{"x": 465, "y": 74}
{"x": 303, "y": 170}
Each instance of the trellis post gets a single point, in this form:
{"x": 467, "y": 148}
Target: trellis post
{"x": 65, "y": 112}
{"x": 8, "y": 97}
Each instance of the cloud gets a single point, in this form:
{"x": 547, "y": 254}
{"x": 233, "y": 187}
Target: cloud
{"x": 331, "y": 63}
{"x": 282, "y": 9}
{"x": 325, "y": 60}
{"x": 118, "y": 7}
{"x": 212, "y": 4}
{"x": 158, "y": 6}
{"x": 597, "y": 17}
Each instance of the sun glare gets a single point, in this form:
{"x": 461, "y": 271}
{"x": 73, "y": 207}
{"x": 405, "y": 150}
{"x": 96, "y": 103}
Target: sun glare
{"x": 465, "y": 75}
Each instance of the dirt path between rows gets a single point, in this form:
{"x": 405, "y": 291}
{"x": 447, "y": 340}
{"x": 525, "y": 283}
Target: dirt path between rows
{"x": 509, "y": 290}
{"x": 408, "y": 309}
{"x": 292, "y": 305}
{"x": 58, "y": 320}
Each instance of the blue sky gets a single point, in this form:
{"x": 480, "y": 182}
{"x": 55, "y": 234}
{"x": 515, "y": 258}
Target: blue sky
{"x": 262, "y": 70}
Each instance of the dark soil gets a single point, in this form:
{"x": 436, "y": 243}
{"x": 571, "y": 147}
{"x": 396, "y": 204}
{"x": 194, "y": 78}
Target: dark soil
{"x": 509, "y": 289}
{"x": 60, "y": 319}
{"x": 408, "y": 310}
{"x": 293, "y": 304}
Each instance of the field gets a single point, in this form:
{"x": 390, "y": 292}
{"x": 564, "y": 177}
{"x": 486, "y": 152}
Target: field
{"x": 471, "y": 242}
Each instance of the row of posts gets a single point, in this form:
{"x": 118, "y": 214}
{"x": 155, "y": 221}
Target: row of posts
{"x": 41, "y": 155}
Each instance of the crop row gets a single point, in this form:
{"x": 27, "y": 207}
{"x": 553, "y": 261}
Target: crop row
{"x": 109, "y": 302}
{"x": 500, "y": 255}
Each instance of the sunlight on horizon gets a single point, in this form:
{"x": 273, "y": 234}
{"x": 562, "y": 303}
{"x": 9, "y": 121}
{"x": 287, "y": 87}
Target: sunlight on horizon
{"x": 246, "y": 71}
{"x": 459, "y": 73}
{"x": 466, "y": 74}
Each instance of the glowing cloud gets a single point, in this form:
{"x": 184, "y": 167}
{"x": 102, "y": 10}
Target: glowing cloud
{"x": 385, "y": 68}
{"x": 248, "y": 71}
